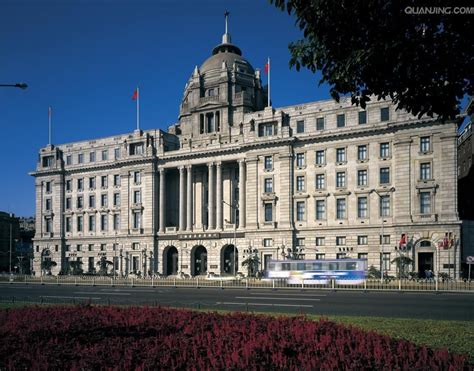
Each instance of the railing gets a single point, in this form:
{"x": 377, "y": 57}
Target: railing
{"x": 249, "y": 283}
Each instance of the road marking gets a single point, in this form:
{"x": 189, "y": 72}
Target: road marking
{"x": 69, "y": 297}
{"x": 265, "y": 298}
{"x": 272, "y": 294}
{"x": 125, "y": 290}
{"x": 102, "y": 293}
{"x": 264, "y": 304}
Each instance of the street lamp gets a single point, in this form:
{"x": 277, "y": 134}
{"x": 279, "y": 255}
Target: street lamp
{"x": 20, "y": 85}
{"x": 381, "y": 194}
{"x": 234, "y": 208}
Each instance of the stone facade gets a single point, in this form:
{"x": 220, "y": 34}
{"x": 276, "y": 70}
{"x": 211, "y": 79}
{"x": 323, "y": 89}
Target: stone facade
{"x": 320, "y": 180}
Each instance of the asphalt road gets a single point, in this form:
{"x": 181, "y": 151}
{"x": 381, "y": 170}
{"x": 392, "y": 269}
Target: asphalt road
{"x": 449, "y": 306}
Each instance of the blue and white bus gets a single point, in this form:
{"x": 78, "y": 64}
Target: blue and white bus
{"x": 320, "y": 272}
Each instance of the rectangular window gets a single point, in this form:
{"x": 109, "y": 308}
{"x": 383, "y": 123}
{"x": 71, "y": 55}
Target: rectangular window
{"x": 103, "y": 247}
{"x": 385, "y": 206}
{"x": 362, "y": 207}
{"x": 265, "y": 130}
{"x": 362, "y": 117}
{"x": 384, "y": 114}
{"x": 425, "y": 171}
{"x": 340, "y": 208}
{"x": 340, "y": 155}
{"x": 320, "y": 256}
{"x": 320, "y": 123}
{"x": 267, "y": 242}
{"x": 137, "y": 197}
{"x": 341, "y": 120}
{"x": 48, "y": 204}
{"x": 425, "y": 203}
{"x": 268, "y": 212}
{"x": 340, "y": 179}
{"x": 80, "y": 202}
{"x": 300, "y": 127}
{"x": 268, "y": 185}
{"x": 137, "y": 177}
{"x": 104, "y": 225}
{"x": 80, "y": 158}
{"x": 68, "y": 203}
{"x": 385, "y": 239}
{"x": 79, "y": 223}
{"x": 341, "y": 241}
{"x": 104, "y": 200}
{"x": 300, "y": 187}
{"x": 384, "y": 175}
{"x": 92, "y": 157}
{"x": 320, "y": 210}
{"x": 116, "y": 199}
{"x": 116, "y": 180}
{"x": 49, "y": 225}
{"x": 300, "y": 211}
{"x": 91, "y": 201}
{"x": 341, "y": 255}
{"x": 425, "y": 145}
{"x": 362, "y": 152}
{"x": 137, "y": 220}
{"x": 362, "y": 178}
{"x": 79, "y": 247}
{"x": 362, "y": 240}
{"x": 268, "y": 162}
{"x": 320, "y": 157}
{"x": 68, "y": 160}
{"x": 116, "y": 222}
{"x": 136, "y": 148}
{"x": 362, "y": 255}
{"x": 92, "y": 183}
{"x": 68, "y": 247}
{"x": 68, "y": 185}
{"x": 105, "y": 155}
{"x": 104, "y": 181}
{"x": 80, "y": 184}
{"x": 68, "y": 224}
{"x": 320, "y": 241}
{"x": 48, "y": 187}
{"x": 90, "y": 247}
{"x": 386, "y": 262}
{"x": 384, "y": 150}
{"x": 116, "y": 153}
{"x": 320, "y": 181}
{"x": 91, "y": 223}
{"x": 300, "y": 160}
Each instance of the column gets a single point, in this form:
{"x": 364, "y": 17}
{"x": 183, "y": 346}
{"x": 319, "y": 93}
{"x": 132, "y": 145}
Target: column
{"x": 210, "y": 200}
{"x": 286, "y": 185}
{"x": 242, "y": 190}
{"x": 219, "y": 196}
{"x": 189, "y": 198}
{"x": 162, "y": 200}
{"x": 252, "y": 199}
{"x": 182, "y": 216}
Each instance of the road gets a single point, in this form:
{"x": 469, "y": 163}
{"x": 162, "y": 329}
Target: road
{"x": 448, "y": 306}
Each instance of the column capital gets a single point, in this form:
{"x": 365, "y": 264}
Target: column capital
{"x": 181, "y": 168}
{"x": 241, "y": 161}
{"x": 218, "y": 163}
{"x": 210, "y": 164}
{"x": 161, "y": 170}
{"x": 189, "y": 166}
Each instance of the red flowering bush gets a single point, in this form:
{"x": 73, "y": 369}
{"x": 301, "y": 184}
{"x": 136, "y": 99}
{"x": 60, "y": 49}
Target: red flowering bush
{"x": 158, "y": 338}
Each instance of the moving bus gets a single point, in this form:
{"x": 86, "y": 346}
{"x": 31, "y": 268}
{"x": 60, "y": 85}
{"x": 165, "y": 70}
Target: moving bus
{"x": 343, "y": 271}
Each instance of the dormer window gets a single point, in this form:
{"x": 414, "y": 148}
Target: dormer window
{"x": 136, "y": 149}
{"x": 47, "y": 161}
{"x": 266, "y": 129}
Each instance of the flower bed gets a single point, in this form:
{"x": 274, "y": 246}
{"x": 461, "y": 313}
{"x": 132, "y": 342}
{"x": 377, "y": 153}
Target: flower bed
{"x": 159, "y": 338}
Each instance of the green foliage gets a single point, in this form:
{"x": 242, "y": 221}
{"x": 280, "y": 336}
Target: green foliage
{"x": 363, "y": 48}
{"x": 103, "y": 264}
{"x": 402, "y": 262}
{"x": 251, "y": 263}
{"x": 47, "y": 264}
{"x": 373, "y": 272}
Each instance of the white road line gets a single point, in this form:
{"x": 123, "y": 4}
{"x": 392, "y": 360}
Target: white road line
{"x": 272, "y": 294}
{"x": 69, "y": 297}
{"x": 102, "y": 293}
{"x": 265, "y": 298}
{"x": 264, "y": 304}
{"x": 125, "y": 290}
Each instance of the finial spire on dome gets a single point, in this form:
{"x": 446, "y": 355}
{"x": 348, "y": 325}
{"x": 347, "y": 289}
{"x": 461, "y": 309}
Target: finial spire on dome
{"x": 226, "y": 36}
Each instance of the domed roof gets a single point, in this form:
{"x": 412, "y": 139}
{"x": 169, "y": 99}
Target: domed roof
{"x": 215, "y": 62}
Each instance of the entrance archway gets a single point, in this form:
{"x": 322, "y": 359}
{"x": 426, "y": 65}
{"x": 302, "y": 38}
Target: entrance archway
{"x": 199, "y": 261}
{"x": 229, "y": 260}
{"x": 425, "y": 256}
{"x": 170, "y": 261}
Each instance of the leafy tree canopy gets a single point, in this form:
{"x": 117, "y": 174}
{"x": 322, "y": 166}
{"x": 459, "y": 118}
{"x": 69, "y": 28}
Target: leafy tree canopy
{"x": 423, "y": 62}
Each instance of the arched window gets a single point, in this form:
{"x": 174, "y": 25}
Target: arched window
{"x": 425, "y": 244}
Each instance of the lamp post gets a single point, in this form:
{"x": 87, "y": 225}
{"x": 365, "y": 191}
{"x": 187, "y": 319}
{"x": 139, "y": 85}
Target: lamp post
{"x": 20, "y": 85}
{"x": 234, "y": 208}
{"x": 381, "y": 194}
{"x": 121, "y": 261}
{"x": 115, "y": 255}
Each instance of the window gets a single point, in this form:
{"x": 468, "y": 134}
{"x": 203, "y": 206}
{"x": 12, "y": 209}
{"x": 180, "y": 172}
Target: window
{"x": 80, "y": 184}
{"x": 103, "y": 247}
{"x": 362, "y": 240}
{"x": 320, "y": 157}
{"x": 300, "y": 160}
{"x": 136, "y": 148}
{"x": 385, "y": 205}
{"x": 265, "y": 130}
{"x": 80, "y": 202}
{"x": 48, "y": 204}
{"x": 116, "y": 199}
{"x": 104, "y": 200}
{"x": 384, "y": 175}
{"x": 49, "y": 225}
{"x": 90, "y": 247}
{"x": 362, "y": 117}
{"x": 80, "y": 158}
{"x": 91, "y": 223}
{"x": 116, "y": 153}
{"x": 341, "y": 255}
{"x": 340, "y": 179}
{"x": 116, "y": 222}
{"x": 425, "y": 202}
{"x": 341, "y": 241}
{"x": 48, "y": 187}
{"x": 362, "y": 255}
{"x": 137, "y": 177}
{"x": 92, "y": 201}
{"x": 79, "y": 223}
{"x": 341, "y": 121}
{"x": 300, "y": 211}
{"x": 79, "y": 247}
{"x": 92, "y": 157}
{"x": 68, "y": 160}
{"x": 92, "y": 183}
{"x": 362, "y": 152}
{"x": 386, "y": 261}
{"x": 268, "y": 185}
{"x": 268, "y": 162}
{"x": 105, "y": 155}
{"x": 320, "y": 123}
{"x": 425, "y": 145}
{"x": 68, "y": 224}
{"x": 340, "y": 208}
{"x": 384, "y": 150}
{"x": 300, "y": 127}
{"x": 267, "y": 242}
{"x": 320, "y": 210}
{"x": 104, "y": 222}
{"x": 320, "y": 181}
{"x": 385, "y": 239}
{"x": 320, "y": 256}
{"x": 384, "y": 114}
{"x": 69, "y": 185}
{"x": 425, "y": 171}
{"x": 137, "y": 220}
{"x": 116, "y": 180}
{"x": 300, "y": 183}
{"x": 68, "y": 203}
{"x": 268, "y": 212}
{"x": 137, "y": 197}
{"x": 341, "y": 155}
{"x": 361, "y": 178}
{"x": 68, "y": 248}
{"x": 362, "y": 207}
{"x": 104, "y": 181}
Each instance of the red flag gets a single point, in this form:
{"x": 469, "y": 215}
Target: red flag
{"x": 135, "y": 95}
{"x": 266, "y": 67}
{"x": 446, "y": 241}
{"x": 403, "y": 240}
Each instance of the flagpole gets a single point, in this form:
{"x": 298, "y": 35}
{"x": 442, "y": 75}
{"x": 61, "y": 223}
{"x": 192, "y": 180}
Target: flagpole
{"x": 50, "y": 112}
{"x": 138, "y": 108}
{"x": 268, "y": 103}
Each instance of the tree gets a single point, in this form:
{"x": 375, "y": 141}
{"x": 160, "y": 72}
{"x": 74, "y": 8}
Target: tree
{"x": 252, "y": 263}
{"x": 402, "y": 262}
{"x": 47, "y": 264}
{"x": 373, "y": 272}
{"x": 76, "y": 267}
{"x": 103, "y": 264}
{"x": 385, "y": 48}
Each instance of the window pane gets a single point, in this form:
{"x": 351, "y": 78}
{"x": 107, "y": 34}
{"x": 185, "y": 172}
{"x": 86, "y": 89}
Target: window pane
{"x": 384, "y": 114}
{"x": 320, "y": 123}
{"x": 341, "y": 121}
{"x": 362, "y": 117}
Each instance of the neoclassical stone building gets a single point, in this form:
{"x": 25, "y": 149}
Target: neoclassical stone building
{"x": 319, "y": 180}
